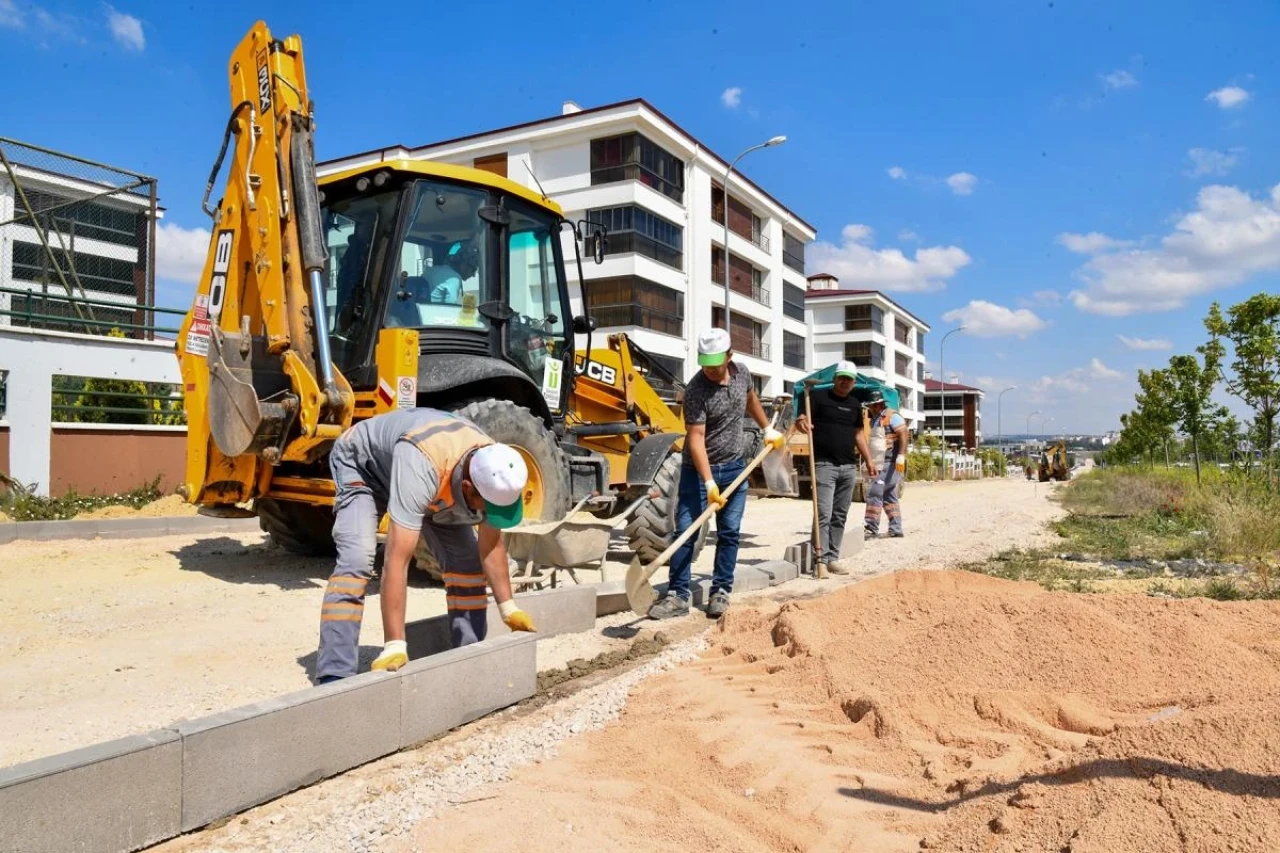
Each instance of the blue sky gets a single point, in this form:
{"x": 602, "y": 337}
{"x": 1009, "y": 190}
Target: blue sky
{"x": 1055, "y": 175}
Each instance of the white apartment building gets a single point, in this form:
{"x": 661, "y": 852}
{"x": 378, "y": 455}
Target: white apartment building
{"x": 866, "y": 327}
{"x": 67, "y": 223}
{"x": 660, "y": 193}
{"x": 954, "y": 411}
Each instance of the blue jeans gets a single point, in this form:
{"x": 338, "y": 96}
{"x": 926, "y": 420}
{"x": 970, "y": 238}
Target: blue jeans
{"x": 691, "y": 500}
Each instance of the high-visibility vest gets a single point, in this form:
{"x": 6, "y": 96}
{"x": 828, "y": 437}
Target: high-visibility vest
{"x": 446, "y": 442}
{"x": 878, "y": 442}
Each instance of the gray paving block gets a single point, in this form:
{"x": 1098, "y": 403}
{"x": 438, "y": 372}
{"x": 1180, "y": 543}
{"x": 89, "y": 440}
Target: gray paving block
{"x": 779, "y": 571}
{"x": 564, "y": 610}
{"x": 241, "y": 758}
{"x": 124, "y": 528}
{"x": 447, "y": 690}
{"x": 119, "y": 795}
{"x": 611, "y": 598}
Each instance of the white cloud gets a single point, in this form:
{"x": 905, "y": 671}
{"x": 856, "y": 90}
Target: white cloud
{"x": 1147, "y": 344}
{"x": 1062, "y": 382}
{"x": 62, "y": 26}
{"x": 1098, "y": 370}
{"x": 1119, "y": 79}
{"x": 987, "y": 320}
{"x": 1228, "y": 97}
{"x": 1228, "y": 238}
{"x": 731, "y": 97}
{"x": 858, "y": 265}
{"x": 1205, "y": 161}
{"x": 10, "y": 16}
{"x": 126, "y": 30}
{"x": 962, "y": 183}
{"x": 897, "y": 173}
{"x": 906, "y": 235}
{"x": 180, "y": 252}
{"x": 1091, "y": 243}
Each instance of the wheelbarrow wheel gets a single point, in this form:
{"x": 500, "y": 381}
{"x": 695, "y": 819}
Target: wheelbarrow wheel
{"x": 653, "y": 526}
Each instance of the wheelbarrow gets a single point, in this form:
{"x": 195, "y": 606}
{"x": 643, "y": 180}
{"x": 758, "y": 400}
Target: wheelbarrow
{"x": 542, "y": 550}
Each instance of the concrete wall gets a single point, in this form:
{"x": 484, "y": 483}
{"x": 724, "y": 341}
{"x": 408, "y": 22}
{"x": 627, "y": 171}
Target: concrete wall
{"x": 91, "y": 459}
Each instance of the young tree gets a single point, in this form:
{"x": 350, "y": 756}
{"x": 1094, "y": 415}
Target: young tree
{"x": 1192, "y": 385}
{"x": 1253, "y": 328}
{"x": 1154, "y": 419}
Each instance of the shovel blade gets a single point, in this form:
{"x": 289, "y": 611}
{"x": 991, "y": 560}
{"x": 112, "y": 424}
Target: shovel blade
{"x": 640, "y": 593}
{"x": 780, "y": 473}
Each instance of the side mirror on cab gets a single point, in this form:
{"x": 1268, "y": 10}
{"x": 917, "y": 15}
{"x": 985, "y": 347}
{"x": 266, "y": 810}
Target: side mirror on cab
{"x": 583, "y": 324}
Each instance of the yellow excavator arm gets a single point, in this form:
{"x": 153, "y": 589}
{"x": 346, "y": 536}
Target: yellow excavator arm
{"x": 260, "y": 385}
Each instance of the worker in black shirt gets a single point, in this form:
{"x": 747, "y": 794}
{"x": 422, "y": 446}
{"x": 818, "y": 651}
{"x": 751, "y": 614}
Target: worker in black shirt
{"x": 838, "y": 439}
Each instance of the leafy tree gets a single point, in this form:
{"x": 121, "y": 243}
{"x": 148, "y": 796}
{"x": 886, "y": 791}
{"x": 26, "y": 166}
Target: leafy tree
{"x": 1150, "y": 426}
{"x": 1253, "y": 329}
{"x": 1192, "y": 385}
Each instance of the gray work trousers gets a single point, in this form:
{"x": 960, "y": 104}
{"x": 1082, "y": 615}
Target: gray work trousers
{"x": 357, "y": 512}
{"x": 883, "y": 494}
{"x": 835, "y": 494}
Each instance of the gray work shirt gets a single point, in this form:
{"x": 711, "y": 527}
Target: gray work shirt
{"x": 395, "y": 470}
{"x": 721, "y": 408}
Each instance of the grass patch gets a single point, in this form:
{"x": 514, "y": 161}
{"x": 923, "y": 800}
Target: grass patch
{"x": 21, "y": 505}
{"x": 1040, "y": 567}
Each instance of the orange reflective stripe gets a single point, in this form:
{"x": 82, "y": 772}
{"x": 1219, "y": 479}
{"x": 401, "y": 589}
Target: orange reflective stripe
{"x": 453, "y": 605}
{"x": 341, "y": 617}
{"x": 464, "y": 601}
{"x": 455, "y": 579}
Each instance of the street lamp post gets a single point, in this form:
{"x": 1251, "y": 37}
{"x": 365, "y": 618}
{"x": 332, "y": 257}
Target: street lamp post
{"x": 777, "y": 140}
{"x": 942, "y": 371}
{"x": 1000, "y": 422}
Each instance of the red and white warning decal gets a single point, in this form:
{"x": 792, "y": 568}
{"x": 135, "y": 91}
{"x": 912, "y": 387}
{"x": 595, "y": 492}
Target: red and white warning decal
{"x": 201, "y": 311}
{"x": 407, "y": 392}
{"x": 385, "y": 395}
{"x": 198, "y": 338}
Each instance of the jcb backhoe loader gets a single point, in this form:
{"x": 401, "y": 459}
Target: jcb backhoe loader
{"x": 403, "y": 283}
{"x": 1054, "y": 464}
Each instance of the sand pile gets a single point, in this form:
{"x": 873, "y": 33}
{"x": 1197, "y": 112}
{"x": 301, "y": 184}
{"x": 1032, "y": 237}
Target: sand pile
{"x": 932, "y": 710}
{"x": 166, "y": 507}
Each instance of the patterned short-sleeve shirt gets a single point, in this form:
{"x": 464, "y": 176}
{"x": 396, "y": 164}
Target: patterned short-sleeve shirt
{"x": 721, "y": 408}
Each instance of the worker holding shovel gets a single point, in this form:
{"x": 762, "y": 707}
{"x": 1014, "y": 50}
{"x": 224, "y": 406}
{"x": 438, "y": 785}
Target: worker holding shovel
{"x": 714, "y": 403}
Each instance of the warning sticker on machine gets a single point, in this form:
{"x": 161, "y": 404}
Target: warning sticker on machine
{"x": 552, "y": 371}
{"x": 201, "y": 310}
{"x": 407, "y": 392}
{"x": 384, "y": 393}
{"x": 198, "y": 338}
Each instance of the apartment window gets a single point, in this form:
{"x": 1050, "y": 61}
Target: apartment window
{"x": 932, "y": 403}
{"x": 634, "y": 229}
{"x": 902, "y": 364}
{"x": 742, "y": 221}
{"x": 634, "y": 301}
{"x": 788, "y": 387}
{"x": 632, "y": 157}
{"x": 105, "y": 275}
{"x": 953, "y": 424}
{"x": 920, "y": 371}
{"x": 865, "y": 353}
{"x": 743, "y": 277}
{"x": 861, "y": 318}
{"x": 792, "y": 301}
{"x": 904, "y": 397}
{"x": 746, "y": 335}
{"x": 901, "y": 332}
{"x": 495, "y": 163}
{"x": 793, "y": 252}
{"x": 757, "y": 382}
{"x": 793, "y": 350}
{"x": 920, "y": 342}
{"x": 66, "y": 215}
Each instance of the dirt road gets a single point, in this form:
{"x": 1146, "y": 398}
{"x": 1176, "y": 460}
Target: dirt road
{"x": 104, "y": 639}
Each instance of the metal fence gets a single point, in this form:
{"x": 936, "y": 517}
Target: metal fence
{"x": 83, "y": 238}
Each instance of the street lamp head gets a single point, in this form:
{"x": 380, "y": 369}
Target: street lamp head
{"x": 777, "y": 140}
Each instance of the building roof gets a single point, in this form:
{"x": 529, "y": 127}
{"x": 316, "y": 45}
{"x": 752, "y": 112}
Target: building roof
{"x": 822, "y": 294}
{"x": 935, "y": 385}
{"x": 573, "y": 115}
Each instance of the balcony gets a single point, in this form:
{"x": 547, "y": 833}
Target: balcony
{"x": 793, "y": 261}
{"x": 791, "y": 309}
{"x": 741, "y": 280}
{"x": 623, "y": 242}
{"x": 636, "y": 172}
{"x": 793, "y": 359}
{"x": 638, "y": 316}
{"x": 742, "y": 221}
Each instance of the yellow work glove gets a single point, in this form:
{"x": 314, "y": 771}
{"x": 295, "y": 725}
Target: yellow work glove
{"x": 773, "y": 438}
{"x": 713, "y": 495}
{"x": 395, "y": 654}
{"x": 515, "y": 618}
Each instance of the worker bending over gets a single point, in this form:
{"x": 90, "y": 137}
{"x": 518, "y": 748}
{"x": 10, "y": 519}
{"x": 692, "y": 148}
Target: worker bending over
{"x": 889, "y": 437}
{"x": 436, "y": 475}
{"x": 715, "y": 401}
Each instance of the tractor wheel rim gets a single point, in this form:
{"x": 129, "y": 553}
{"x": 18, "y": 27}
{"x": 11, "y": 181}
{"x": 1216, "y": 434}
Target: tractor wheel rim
{"x": 535, "y": 490}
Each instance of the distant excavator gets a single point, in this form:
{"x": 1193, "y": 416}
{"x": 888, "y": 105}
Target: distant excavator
{"x": 1054, "y": 464}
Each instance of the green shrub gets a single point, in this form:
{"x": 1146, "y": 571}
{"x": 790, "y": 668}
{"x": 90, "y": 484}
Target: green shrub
{"x": 21, "y": 505}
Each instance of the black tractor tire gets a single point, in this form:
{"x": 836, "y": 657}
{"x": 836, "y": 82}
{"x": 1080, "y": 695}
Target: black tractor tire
{"x": 508, "y": 423}
{"x": 653, "y": 526}
{"x": 302, "y": 529}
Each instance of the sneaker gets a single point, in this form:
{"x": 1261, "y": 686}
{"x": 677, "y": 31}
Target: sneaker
{"x": 669, "y": 607}
{"x": 841, "y": 567}
{"x": 896, "y": 534}
{"x": 718, "y": 605}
